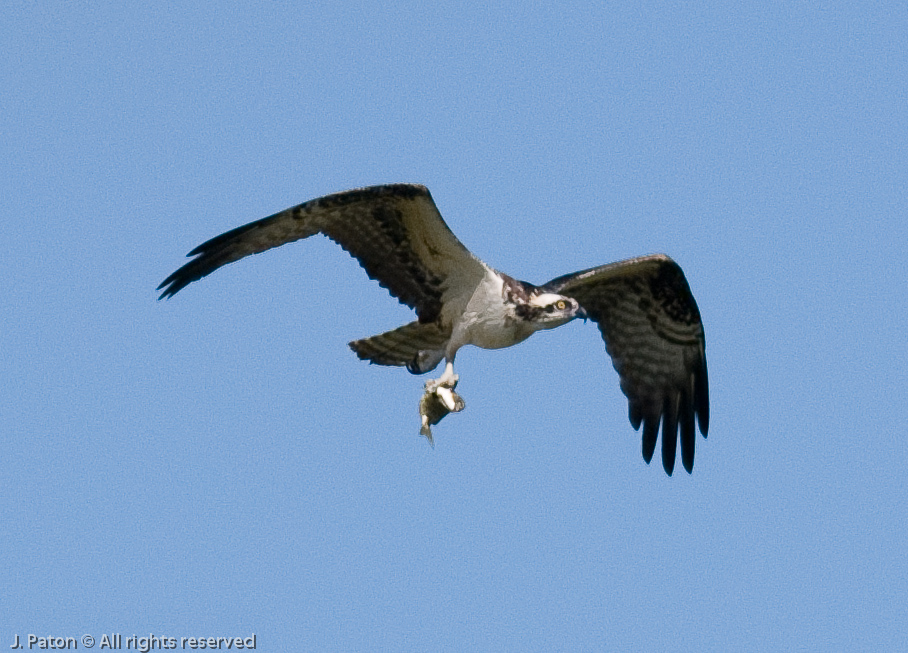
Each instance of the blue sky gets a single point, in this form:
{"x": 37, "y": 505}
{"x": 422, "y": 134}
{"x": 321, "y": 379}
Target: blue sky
{"x": 221, "y": 464}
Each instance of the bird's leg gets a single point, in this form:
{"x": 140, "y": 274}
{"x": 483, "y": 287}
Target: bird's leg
{"x": 438, "y": 400}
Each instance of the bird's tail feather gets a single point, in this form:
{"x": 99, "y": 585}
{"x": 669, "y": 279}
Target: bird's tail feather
{"x": 403, "y": 346}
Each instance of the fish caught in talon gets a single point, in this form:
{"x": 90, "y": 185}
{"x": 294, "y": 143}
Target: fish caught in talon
{"x": 433, "y": 409}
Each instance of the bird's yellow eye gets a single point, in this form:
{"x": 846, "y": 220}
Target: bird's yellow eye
{"x": 561, "y": 304}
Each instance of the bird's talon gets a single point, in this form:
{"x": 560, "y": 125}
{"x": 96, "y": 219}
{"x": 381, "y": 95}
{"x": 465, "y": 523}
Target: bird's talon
{"x": 447, "y": 398}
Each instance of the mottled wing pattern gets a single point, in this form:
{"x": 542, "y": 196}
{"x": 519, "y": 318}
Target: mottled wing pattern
{"x": 652, "y": 330}
{"x": 394, "y": 231}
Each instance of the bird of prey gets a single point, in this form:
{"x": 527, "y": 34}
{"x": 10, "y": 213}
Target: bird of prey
{"x": 643, "y": 306}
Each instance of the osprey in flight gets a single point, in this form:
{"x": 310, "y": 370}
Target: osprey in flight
{"x": 643, "y": 306}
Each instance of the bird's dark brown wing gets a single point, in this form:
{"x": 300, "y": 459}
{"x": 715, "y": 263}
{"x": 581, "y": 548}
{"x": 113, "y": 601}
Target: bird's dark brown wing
{"x": 652, "y": 330}
{"x": 394, "y": 231}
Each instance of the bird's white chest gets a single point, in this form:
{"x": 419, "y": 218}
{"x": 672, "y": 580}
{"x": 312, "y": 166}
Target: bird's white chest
{"x": 488, "y": 321}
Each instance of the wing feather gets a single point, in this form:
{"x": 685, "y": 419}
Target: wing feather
{"x": 651, "y": 326}
{"x": 394, "y": 231}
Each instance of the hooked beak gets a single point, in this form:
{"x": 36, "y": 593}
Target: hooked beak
{"x": 581, "y": 313}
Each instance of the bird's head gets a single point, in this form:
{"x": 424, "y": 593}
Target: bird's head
{"x": 548, "y": 310}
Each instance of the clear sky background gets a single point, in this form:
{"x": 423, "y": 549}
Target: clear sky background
{"x": 220, "y": 464}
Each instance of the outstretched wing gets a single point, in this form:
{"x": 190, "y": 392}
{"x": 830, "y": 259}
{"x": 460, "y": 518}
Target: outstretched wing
{"x": 394, "y": 231}
{"x": 652, "y": 330}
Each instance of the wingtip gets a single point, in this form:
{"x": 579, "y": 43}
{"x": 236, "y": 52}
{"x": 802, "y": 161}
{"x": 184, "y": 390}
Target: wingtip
{"x": 650, "y": 433}
{"x": 668, "y": 458}
{"x": 634, "y": 414}
{"x": 170, "y": 287}
{"x": 701, "y": 397}
{"x": 166, "y": 294}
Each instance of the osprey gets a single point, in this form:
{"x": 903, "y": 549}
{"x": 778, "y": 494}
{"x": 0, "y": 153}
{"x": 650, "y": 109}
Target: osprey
{"x": 643, "y": 306}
